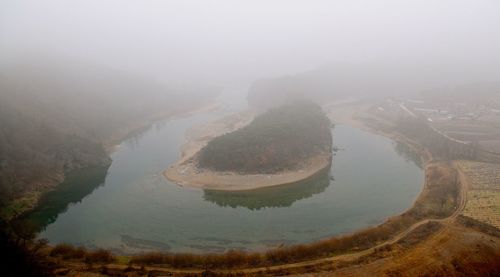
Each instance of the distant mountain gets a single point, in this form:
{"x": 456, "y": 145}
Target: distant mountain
{"x": 59, "y": 117}
{"x": 88, "y": 100}
{"x": 479, "y": 93}
{"x": 337, "y": 81}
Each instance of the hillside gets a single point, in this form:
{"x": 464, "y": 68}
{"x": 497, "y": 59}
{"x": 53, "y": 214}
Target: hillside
{"x": 35, "y": 155}
{"x": 59, "y": 117}
{"x": 279, "y": 139}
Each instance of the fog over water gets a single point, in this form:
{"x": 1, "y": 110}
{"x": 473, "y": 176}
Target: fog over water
{"x": 144, "y": 125}
{"x": 234, "y": 42}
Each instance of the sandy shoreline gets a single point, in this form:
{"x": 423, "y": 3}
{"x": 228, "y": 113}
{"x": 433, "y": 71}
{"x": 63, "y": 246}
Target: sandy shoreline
{"x": 185, "y": 173}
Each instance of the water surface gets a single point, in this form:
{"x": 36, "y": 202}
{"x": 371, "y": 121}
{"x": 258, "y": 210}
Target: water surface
{"x": 133, "y": 208}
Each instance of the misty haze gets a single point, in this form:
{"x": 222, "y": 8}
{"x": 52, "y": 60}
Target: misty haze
{"x": 250, "y": 138}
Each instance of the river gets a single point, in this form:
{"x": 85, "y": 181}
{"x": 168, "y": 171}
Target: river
{"x": 131, "y": 208}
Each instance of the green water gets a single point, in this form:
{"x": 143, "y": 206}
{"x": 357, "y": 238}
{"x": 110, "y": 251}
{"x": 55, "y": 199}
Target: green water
{"x": 77, "y": 185}
{"x": 132, "y": 208}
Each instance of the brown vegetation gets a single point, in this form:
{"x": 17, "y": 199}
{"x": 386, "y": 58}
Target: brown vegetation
{"x": 69, "y": 252}
{"x": 452, "y": 251}
{"x": 478, "y": 225}
{"x": 439, "y": 197}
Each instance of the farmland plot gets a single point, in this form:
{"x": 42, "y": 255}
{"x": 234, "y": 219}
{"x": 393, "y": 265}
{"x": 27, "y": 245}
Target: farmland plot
{"x": 483, "y": 198}
{"x": 482, "y": 175}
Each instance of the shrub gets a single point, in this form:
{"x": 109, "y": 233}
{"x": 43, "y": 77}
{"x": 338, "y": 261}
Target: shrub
{"x": 63, "y": 250}
{"x": 67, "y": 251}
{"x": 99, "y": 256}
{"x": 149, "y": 258}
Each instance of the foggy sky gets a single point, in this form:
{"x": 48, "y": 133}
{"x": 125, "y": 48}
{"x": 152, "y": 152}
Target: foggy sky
{"x": 226, "y": 42}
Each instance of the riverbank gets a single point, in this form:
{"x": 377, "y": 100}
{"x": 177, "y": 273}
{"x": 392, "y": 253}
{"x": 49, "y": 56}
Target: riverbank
{"x": 186, "y": 173}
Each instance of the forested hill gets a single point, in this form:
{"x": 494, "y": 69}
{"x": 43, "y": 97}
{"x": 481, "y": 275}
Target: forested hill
{"x": 56, "y": 118}
{"x": 281, "y": 138}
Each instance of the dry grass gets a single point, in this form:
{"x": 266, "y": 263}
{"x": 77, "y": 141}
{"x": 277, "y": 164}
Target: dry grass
{"x": 69, "y": 252}
{"x": 230, "y": 259}
{"x": 453, "y": 251}
{"x": 439, "y": 197}
{"x": 478, "y": 226}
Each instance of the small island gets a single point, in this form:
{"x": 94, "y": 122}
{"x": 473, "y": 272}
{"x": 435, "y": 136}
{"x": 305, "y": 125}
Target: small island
{"x": 280, "y": 146}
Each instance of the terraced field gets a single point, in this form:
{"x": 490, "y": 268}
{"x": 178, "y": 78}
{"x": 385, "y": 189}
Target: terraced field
{"x": 483, "y": 198}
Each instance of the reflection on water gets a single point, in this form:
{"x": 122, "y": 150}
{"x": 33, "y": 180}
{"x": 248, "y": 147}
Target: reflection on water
{"x": 134, "y": 138}
{"x": 77, "y": 184}
{"x": 408, "y": 153}
{"x": 271, "y": 197}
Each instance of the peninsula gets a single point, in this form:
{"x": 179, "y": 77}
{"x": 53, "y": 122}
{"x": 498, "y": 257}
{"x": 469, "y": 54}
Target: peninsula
{"x": 280, "y": 146}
